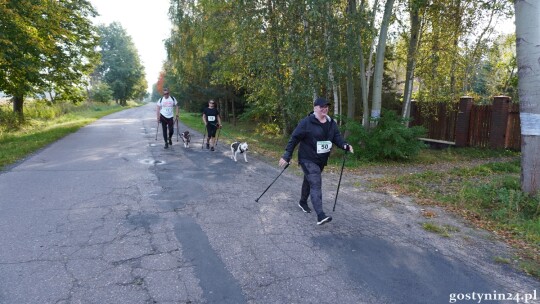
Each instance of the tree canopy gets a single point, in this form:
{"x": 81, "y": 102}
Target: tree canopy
{"x": 45, "y": 46}
{"x": 277, "y": 55}
{"x": 120, "y": 66}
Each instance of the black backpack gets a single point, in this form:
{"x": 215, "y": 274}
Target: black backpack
{"x": 174, "y": 99}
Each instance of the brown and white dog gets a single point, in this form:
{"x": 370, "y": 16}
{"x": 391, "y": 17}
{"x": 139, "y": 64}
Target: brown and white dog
{"x": 186, "y": 138}
{"x": 239, "y": 147}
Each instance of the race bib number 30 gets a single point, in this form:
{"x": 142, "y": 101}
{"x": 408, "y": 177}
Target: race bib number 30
{"x": 324, "y": 146}
{"x": 211, "y": 118}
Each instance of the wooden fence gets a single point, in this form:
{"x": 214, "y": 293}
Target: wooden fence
{"x": 468, "y": 125}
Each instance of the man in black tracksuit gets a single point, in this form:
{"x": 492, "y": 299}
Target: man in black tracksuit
{"x": 212, "y": 121}
{"x": 315, "y": 133}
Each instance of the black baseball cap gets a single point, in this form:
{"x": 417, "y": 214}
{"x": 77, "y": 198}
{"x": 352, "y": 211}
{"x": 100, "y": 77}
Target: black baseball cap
{"x": 321, "y": 102}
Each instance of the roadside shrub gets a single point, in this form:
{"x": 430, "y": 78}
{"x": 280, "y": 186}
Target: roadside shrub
{"x": 75, "y": 95}
{"x": 40, "y": 109}
{"x": 268, "y": 129}
{"x": 389, "y": 140}
{"x": 8, "y": 119}
{"x": 101, "y": 93}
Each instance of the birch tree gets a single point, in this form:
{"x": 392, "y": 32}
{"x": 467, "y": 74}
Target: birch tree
{"x": 415, "y": 8}
{"x": 309, "y": 55}
{"x": 379, "y": 62}
{"x": 528, "y": 58}
{"x": 328, "y": 39}
{"x": 365, "y": 73}
{"x": 351, "y": 99}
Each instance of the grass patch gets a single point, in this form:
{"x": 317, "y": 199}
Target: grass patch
{"x": 489, "y": 195}
{"x": 501, "y": 260}
{"x": 269, "y": 147}
{"x": 38, "y": 131}
{"x": 443, "y": 230}
{"x": 452, "y": 154}
{"x": 531, "y": 267}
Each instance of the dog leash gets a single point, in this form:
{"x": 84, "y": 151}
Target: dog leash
{"x": 177, "y": 128}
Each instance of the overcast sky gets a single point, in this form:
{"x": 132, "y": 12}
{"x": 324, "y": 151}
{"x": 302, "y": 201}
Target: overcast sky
{"x": 148, "y": 25}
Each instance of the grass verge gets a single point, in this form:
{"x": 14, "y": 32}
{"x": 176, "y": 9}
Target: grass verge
{"x": 488, "y": 195}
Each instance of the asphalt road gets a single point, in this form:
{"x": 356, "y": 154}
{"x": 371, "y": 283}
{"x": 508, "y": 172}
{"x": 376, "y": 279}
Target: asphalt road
{"x": 106, "y": 215}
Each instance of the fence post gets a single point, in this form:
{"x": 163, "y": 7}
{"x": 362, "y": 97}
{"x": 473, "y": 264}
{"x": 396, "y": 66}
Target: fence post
{"x": 462, "y": 122}
{"x": 499, "y": 122}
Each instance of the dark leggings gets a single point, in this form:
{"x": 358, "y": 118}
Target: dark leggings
{"x": 167, "y": 122}
{"x": 312, "y": 185}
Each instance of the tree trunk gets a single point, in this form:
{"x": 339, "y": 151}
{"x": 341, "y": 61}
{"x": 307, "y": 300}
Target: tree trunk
{"x": 456, "y": 26}
{"x": 233, "y": 110}
{"x": 364, "y": 88}
{"x": 379, "y": 63}
{"x": 528, "y": 56}
{"x": 224, "y": 109}
{"x": 351, "y": 99}
{"x": 350, "y": 88}
{"x": 334, "y": 90}
{"x": 369, "y": 68}
{"x": 331, "y": 79}
{"x": 411, "y": 59}
{"x": 18, "y": 102}
{"x": 364, "y": 83}
{"x": 309, "y": 57}
{"x": 476, "y": 54}
{"x": 340, "y": 103}
{"x": 287, "y": 125}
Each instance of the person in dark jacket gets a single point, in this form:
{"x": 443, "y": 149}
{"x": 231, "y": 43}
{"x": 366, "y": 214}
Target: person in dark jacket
{"x": 316, "y": 133}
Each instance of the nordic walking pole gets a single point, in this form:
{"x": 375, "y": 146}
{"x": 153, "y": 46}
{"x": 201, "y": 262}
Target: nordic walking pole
{"x": 204, "y": 136}
{"x": 257, "y": 200}
{"x": 339, "y": 183}
{"x": 157, "y": 129}
{"x": 177, "y": 130}
{"x": 218, "y": 132}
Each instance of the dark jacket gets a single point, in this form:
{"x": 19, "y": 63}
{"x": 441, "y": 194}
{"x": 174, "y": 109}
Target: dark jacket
{"x": 308, "y": 132}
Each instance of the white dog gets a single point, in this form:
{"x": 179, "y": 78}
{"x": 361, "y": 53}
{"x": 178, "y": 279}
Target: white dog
{"x": 239, "y": 147}
{"x": 186, "y": 138}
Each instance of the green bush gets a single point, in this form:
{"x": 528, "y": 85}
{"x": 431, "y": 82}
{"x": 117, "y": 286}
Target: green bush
{"x": 39, "y": 109}
{"x": 75, "y": 95}
{"x": 101, "y": 93}
{"x": 390, "y": 139}
{"x": 8, "y": 119}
